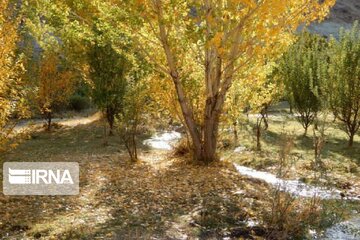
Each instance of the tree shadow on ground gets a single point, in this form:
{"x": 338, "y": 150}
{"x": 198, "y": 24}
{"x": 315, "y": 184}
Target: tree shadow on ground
{"x": 122, "y": 200}
{"x": 19, "y": 214}
{"x": 83, "y": 139}
{"x": 333, "y": 145}
{"x": 176, "y": 201}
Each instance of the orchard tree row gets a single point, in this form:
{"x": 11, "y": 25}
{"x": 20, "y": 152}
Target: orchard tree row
{"x": 323, "y": 75}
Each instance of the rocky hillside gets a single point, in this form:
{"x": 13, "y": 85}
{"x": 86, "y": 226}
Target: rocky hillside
{"x": 343, "y": 14}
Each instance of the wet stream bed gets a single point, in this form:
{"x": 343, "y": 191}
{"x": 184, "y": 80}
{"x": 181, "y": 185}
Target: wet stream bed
{"x": 347, "y": 230}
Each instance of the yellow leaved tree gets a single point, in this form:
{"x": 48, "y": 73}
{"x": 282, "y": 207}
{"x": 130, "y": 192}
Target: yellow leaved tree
{"x": 11, "y": 101}
{"x": 210, "y": 44}
{"x": 55, "y": 86}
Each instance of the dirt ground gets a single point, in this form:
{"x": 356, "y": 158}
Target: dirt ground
{"x": 159, "y": 197}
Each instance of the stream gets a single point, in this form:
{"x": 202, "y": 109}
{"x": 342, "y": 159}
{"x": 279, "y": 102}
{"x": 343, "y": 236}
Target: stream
{"x": 163, "y": 141}
{"x": 295, "y": 187}
{"x": 347, "y": 230}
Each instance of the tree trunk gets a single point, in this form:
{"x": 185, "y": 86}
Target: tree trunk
{"x": 134, "y": 146}
{"x": 211, "y": 125}
{"x": 291, "y": 108}
{"x": 110, "y": 119}
{"x": 236, "y": 137}
{"x": 105, "y": 133}
{"x": 189, "y": 120}
{"x": 306, "y": 127}
{"x": 351, "y": 139}
{"x": 49, "y": 118}
{"x": 266, "y": 123}
{"x": 204, "y": 144}
{"x": 258, "y": 134}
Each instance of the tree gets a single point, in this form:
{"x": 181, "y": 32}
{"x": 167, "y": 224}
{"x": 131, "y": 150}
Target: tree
{"x": 262, "y": 90}
{"x": 344, "y": 80}
{"x": 301, "y": 71}
{"x": 108, "y": 70}
{"x": 262, "y": 97}
{"x": 131, "y": 117}
{"x": 11, "y": 91}
{"x": 253, "y": 95}
{"x": 98, "y": 51}
{"x": 234, "y": 109}
{"x": 55, "y": 86}
{"x": 200, "y": 44}
{"x": 214, "y": 43}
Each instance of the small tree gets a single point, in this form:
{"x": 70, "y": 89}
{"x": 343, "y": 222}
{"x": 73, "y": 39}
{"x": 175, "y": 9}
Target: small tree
{"x": 300, "y": 71}
{"x": 55, "y": 86}
{"x": 131, "y": 116}
{"x": 108, "y": 70}
{"x": 266, "y": 94}
{"x": 255, "y": 95}
{"x": 233, "y": 112}
{"x": 344, "y": 80}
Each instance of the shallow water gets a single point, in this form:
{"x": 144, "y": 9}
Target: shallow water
{"x": 163, "y": 141}
{"x": 348, "y": 230}
{"x": 294, "y": 187}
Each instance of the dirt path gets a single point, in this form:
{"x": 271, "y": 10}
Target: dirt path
{"x": 31, "y": 124}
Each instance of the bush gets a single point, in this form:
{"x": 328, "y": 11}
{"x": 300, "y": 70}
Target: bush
{"x": 182, "y": 148}
{"x": 79, "y": 103}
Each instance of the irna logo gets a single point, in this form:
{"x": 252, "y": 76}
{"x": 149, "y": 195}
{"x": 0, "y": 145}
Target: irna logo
{"x": 41, "y": 178}
{"x": 37, "y": 176}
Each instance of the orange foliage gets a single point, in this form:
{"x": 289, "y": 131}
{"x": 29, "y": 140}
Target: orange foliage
{"x": 55, "y": 85}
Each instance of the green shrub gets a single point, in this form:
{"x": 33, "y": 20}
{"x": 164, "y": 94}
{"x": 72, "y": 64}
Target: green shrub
{"x": 79, "y": 103}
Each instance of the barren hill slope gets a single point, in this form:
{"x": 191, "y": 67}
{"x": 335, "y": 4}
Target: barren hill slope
{"x": 343, "y": 14}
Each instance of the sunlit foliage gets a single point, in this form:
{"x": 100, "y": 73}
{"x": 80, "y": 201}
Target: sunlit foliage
{"x": 11, "y": 92}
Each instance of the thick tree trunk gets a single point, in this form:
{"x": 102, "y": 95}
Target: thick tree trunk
{"x": 204, "y": 146}
{"x": 211, "y": 125}
{"x": 185, "y": 108}
{"x": 204, "y": 143}
{"x": 189, "y": 121}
